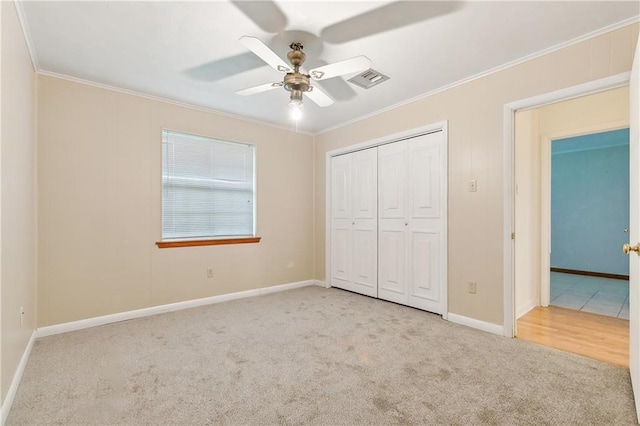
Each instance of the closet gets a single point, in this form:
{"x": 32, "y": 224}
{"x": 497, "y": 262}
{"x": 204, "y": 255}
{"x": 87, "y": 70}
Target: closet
{"x": 388, "y": 222}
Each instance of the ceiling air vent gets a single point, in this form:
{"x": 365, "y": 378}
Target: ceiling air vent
{"x": 368, "y": 79}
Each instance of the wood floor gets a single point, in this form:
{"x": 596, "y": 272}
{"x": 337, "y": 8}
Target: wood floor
{"x": 591, "y": 335}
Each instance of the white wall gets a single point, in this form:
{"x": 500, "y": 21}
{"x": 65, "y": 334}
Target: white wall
{"x": 18, "y": 195}
{"x": 475, "y": 114}
{"x": 100, "y": 202}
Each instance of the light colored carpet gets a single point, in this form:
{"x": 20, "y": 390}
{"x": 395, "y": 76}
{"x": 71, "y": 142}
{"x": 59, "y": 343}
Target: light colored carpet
{"x": 311, "y": 356}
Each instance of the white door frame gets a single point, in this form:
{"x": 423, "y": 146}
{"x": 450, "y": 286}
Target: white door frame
{"x": 619, "y": 80}
{"x": 430, "y": 128}
{"x": 545, "y": 195}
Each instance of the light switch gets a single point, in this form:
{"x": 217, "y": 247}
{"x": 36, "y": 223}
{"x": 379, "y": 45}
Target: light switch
{"x": 473, "y": 185}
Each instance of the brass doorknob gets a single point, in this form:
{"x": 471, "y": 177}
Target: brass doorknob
{"x": 626, "y": 248}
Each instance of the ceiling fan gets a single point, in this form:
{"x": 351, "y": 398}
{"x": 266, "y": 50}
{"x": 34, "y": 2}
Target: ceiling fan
{"x": 295, "y": 81}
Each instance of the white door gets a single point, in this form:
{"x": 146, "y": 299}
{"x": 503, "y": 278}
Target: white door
{"x": 424, "y": 224}
{"x": 411, "y": 231}
{"x": 364, "y": 210}
{"x": 354, "y": 222}
{"x": 341, "y": 221}
{"x": 634, "y": 230}
{"x": 392, "y": 208}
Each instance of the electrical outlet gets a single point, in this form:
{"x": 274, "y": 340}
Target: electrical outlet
{"x": 21, "y": 316}
{"x": 473, "y": 185}
{"x": 472, "y": 287}
{"x": 209, "y": 272}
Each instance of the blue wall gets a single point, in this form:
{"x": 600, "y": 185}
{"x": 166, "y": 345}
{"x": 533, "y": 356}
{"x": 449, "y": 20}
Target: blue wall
{"x": 590, "y": 202}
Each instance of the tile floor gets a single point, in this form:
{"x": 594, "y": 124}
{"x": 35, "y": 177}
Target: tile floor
{"x": 602, "y": 296}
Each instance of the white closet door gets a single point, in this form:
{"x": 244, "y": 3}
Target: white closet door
{"x": 424, "y": 231}
{"x": 354, "y": 222}
{"x": 341, "y": 221}
{"x": 392, "y": 206}
{"x": 410, "y": 228}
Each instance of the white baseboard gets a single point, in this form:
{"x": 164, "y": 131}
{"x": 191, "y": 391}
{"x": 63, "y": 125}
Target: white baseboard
{"x": 321, "y": 283}
{"x": 17, "y": 377}
{"x": 524, "y": 308}
{"x": 474, "y": 323}
{"x": 154, "y": 310}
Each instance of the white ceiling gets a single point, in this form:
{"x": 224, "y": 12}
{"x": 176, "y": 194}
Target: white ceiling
{"x": 189, "y": 51}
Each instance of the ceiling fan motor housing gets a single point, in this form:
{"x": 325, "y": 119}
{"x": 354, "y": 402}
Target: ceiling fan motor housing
{"x": 296, "y": 81}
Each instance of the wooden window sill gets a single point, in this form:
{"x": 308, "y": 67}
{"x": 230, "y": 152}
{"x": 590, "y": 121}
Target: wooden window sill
{"x": 194, "y": 243}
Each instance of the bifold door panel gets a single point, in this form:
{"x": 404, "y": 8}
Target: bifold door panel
{"x": 387, "y": 222}
{"x": 354, "y": 222}
{"x": 425, "y": 222}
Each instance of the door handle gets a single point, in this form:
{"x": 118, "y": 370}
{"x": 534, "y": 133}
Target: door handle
{"x": 626, "y": 249}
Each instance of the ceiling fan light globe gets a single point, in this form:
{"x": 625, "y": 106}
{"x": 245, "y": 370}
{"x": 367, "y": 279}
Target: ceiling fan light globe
{"x": 296, "y": 112}
{"x": 295, "y": 100}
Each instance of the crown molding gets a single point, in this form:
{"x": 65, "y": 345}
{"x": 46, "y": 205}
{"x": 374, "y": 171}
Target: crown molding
{"x": 169, "y": 101}
{"x": 560, "y": 46}
{"x": 26, "y": 33}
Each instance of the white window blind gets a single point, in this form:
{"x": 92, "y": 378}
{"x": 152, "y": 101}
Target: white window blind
{"x": 208, "y": 188}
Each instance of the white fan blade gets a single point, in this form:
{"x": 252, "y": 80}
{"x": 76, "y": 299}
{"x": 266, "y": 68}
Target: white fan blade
{"x": 266, "y": 54}
{"x": 259, "y": 89}
{"x": 348, "y": 66}
{"x": 319, "y": 97}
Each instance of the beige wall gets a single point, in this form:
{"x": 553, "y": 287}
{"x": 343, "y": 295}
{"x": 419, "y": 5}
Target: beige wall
{"x": 18, "y": 195}
{"x": 527, "y": 211}
{"x": 534, "y": 129}
{"x": 100, "y": 192}
{"x": 475, "y": 114}
{"x": 584, "y": 115}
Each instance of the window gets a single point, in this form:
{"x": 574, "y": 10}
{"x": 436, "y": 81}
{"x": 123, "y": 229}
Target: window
{"x": 208, "y": 188}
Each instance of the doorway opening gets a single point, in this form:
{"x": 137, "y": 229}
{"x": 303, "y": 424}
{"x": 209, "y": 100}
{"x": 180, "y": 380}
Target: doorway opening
{"x": 590, "y": 222}
{"x": 563, "y": 155}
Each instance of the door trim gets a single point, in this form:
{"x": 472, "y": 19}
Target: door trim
{"x": 509, "y": 110}
{"x": 407, "y": 134}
